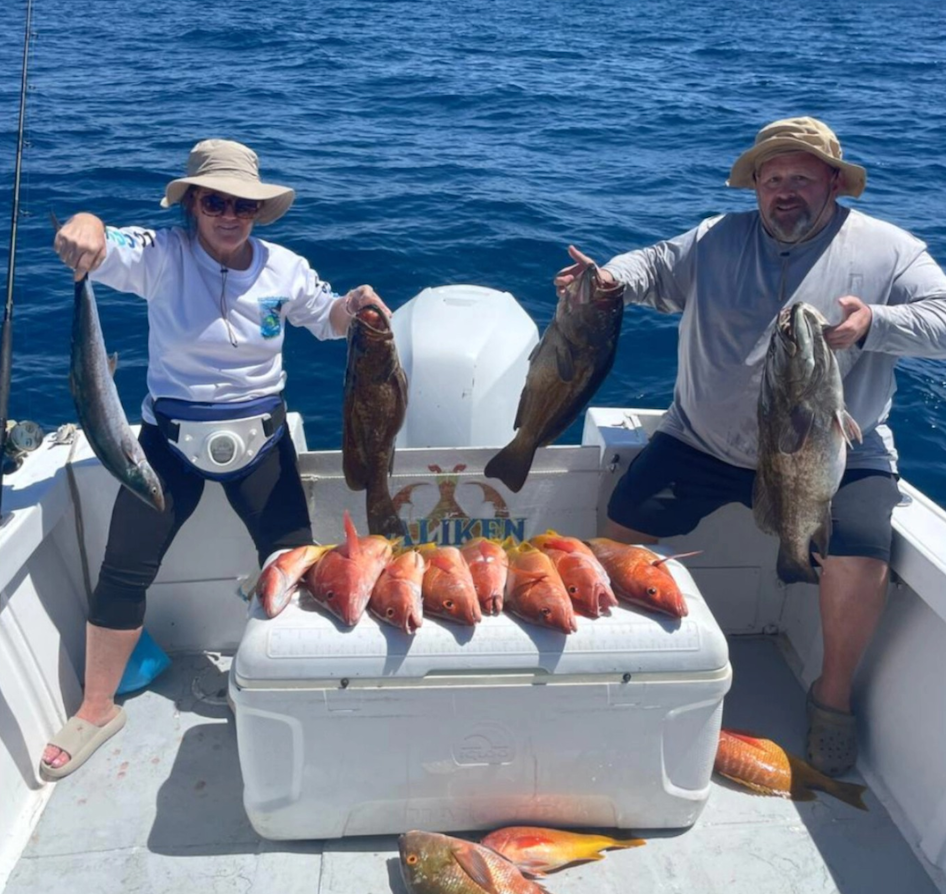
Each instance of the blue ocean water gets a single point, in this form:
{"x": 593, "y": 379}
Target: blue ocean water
{"x": 458, "y": 142}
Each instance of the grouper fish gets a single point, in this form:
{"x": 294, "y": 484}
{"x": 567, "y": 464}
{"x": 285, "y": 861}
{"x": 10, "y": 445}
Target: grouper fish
{"x": 98, "y": 407}
{"x": 374, "y": 408}
{"x": 566, "y": 368}
{"x": 804, "y": 433}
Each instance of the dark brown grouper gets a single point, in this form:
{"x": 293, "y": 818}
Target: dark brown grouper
{"x": 804, "y": 432}
{"x": 98, "y": 407}
{"x": 373, "y": 412}
{"x": 565, "y": 370}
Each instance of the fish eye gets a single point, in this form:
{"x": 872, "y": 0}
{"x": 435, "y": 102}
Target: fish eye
{"x": 448, "y": 603}
{"x": 410, "y": 859}
{"x": 573, "y": 590}
{"x": 651, "y": 591}
{"x": 330, "y": 594}
{"x": 390, "y": 612}
{"x": 546, "y": 611}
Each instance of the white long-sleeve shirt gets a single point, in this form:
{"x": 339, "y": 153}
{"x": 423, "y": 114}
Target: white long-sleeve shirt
{"x": 730, "y": 278}
{"x": 214, "y": 334}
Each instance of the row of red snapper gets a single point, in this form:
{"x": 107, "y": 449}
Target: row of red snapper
{"x": 544, "y": 581}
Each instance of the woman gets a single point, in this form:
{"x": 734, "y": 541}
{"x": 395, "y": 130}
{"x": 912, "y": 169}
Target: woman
{"x": 217, "y": 300}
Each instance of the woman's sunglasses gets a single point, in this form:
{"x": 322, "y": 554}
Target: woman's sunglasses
{"x": 214, "y": 205}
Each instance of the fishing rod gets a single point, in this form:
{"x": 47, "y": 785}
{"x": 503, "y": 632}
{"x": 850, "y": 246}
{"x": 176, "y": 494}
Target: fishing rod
{"x": 6, "y": 339}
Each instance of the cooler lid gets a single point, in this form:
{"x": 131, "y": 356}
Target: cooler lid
{"x": 303, "y": 645}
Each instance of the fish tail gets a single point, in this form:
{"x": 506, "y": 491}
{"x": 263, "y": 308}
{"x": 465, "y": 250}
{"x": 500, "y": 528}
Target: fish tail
{"x": 628, "y": 842}
{"x": 512, "y": 464}
{"x": 383, "y": 517}
{"x": 848, "y": 792}
{"x": 793, "y": 570}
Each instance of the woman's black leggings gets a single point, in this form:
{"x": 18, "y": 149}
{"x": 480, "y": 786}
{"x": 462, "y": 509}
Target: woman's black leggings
{"x": 269, "y": 500}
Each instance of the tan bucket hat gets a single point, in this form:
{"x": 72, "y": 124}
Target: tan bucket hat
{"x": 797, "y": 135}
{"x": 231, "y": 168}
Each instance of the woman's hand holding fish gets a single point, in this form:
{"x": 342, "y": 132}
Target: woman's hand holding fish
{"x": 80, "y": 243}
{"x": 854, "y": 326}
{"x": 362, "y": 296}
{"x": 569, "y": 274}
{"x": 351, "y": 303}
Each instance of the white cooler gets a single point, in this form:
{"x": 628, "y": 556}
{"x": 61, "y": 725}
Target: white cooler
{"x": 367, "y": 731}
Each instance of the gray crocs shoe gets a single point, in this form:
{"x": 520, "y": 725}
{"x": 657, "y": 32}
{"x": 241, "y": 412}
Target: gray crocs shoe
{"x": 832, "y": 738}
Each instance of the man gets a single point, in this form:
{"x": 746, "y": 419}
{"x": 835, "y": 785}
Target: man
{"x": 729, "y": 277}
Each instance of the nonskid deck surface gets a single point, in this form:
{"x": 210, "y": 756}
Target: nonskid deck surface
{"x": 160, "y": 809}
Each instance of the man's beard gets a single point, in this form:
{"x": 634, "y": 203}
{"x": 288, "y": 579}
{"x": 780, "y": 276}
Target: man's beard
{"x": 794, "y": 230}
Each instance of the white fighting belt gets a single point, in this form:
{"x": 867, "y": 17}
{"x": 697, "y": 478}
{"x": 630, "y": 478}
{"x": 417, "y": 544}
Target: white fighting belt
{"x": 220, "y": 446}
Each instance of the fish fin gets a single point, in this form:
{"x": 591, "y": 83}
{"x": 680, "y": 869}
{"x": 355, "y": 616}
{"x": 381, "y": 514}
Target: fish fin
{"x": 472, "y": 863}
{"x": 791, "y": 570}
{"x": 806, "y": 777}
{"x": 628, "y": 842}
{"x": 822, "y": 536}
{"x": 850, "y": 430}
{"x": 744, "y": 736}
{"x": 439, "y": 560}
{"x": 757, "y": 788}
{"x": 112, "y": 364}
{"x": 848, "y": 792}
{"x": 512, "y": 464}
{"x": 658, "y": 562}
{"x": 564, "y": 363}
{"x": 351, "y": 535}
{"x": 792, "y": 437}
{"x": 763, "y": 507}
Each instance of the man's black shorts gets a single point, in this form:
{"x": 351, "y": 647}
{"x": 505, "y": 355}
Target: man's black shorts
{"x": 670, "y": 487}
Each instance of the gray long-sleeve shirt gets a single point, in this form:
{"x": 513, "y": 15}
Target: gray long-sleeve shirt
{"x": 730, "y": 278}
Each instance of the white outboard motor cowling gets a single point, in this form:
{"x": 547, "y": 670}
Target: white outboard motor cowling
{"x": 465, "y": 350}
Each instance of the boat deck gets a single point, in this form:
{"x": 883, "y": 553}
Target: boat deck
{"x": 160, "y": 809}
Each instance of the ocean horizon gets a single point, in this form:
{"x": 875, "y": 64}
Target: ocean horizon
{"x": 458, "y": 143}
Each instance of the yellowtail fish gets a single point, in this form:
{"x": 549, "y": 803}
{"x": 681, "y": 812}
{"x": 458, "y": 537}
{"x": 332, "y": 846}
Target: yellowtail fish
{"x": 281, "y": 577}
{"x": 536, "y": 850}
{"x": 761, "y": 765}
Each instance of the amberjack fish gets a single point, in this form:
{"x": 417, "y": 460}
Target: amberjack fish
{"x": 375, "y": 404}
{"x": 98, "y": 406}
{"x": 439, "y": 864}
{"x": 536, "y": 850}
{"x": 763, "y": 766}
{"x": 804, "y": 433}
{"x": 565, "y": 370}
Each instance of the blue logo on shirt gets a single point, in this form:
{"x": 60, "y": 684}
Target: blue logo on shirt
{"x": 270, "y": 322}
{"x": 130, "y": 238}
